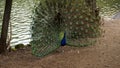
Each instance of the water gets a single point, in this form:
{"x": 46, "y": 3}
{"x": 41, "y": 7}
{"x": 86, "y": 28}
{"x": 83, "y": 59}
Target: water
{"x": 21, "y": 17}
{"x": 2, "y": 3}
{"x": 21, "y": 20}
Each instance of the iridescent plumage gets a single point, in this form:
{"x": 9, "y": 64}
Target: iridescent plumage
{"x": 63, "y": 40}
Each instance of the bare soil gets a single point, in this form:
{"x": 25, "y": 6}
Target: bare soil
{"x": 104, "y": 54}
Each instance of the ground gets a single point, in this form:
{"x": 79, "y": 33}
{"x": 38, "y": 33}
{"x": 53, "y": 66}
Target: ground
{"x": 104, "y": 54}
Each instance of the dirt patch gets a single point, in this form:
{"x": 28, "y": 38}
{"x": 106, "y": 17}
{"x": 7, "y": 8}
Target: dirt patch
{"x": 104, "y": 54}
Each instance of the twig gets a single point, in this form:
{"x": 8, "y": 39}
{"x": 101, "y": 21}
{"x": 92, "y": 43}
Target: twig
{"x": 9, "y": 37}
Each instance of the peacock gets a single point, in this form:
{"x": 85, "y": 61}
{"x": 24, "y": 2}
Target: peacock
{"x": 63, "y": 22}
{"x": 63, "y": 38}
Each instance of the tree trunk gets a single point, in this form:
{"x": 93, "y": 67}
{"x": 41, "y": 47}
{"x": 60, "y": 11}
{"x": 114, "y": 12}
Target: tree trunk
{"x": 5, "y": 24}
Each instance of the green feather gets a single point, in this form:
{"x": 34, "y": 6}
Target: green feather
{"x": 61, "y": 35}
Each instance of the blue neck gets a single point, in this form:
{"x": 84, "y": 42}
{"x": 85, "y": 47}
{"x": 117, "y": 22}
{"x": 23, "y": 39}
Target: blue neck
{"x": 63, "y": 41}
